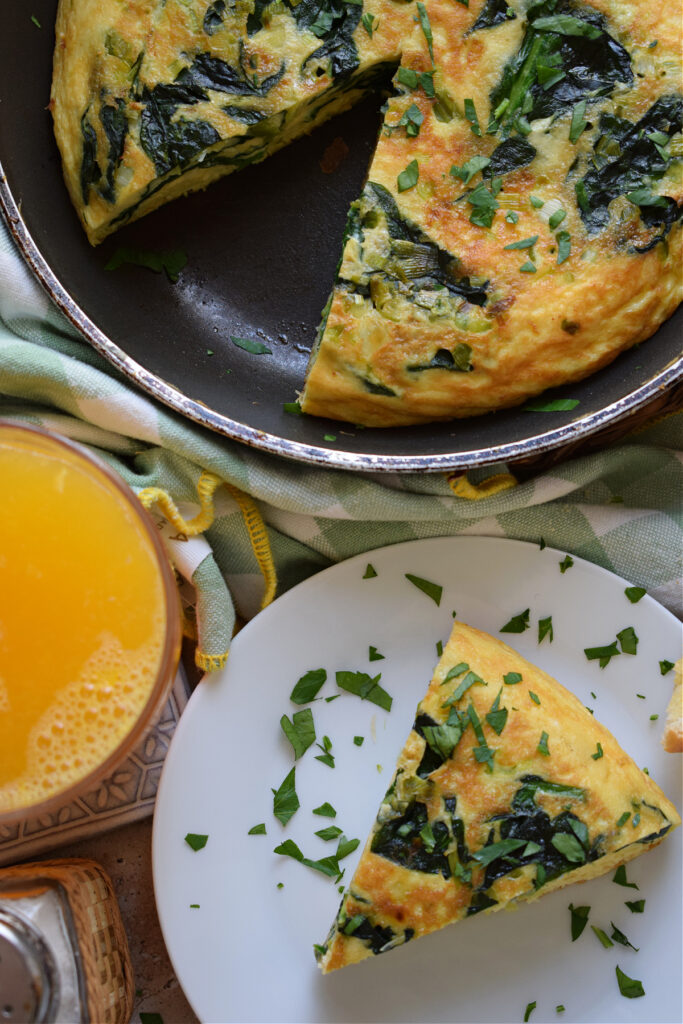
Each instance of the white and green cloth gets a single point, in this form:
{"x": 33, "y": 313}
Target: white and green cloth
{"x": 620, "y": 508}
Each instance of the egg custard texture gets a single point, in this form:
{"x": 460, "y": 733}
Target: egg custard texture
{"x": 498, "y": 797}
{"x": 522, "y": 220}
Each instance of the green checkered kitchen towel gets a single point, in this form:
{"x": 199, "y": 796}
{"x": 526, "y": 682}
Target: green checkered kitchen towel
{"x": 242, "y": 525}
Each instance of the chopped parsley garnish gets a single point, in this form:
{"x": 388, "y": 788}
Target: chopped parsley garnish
{"x": 517, "y": 624}
{"x": 569, "y": 846}
{"x": 559, "y": 1008}
{"x": 555, "y": 219}
{"x": 471, "y": 115}
{"x": 566, "y": 563}
{"x": 598, "y": 753}
{"x": 433, "y": 590}
{"x": 635, "y": 906}
{"x": 308, "y": 686}
{"x": 299, "y": 730}
{"x": 484, "y": 203}
{"x": 628, "y": 640}
{"x": 194, "y": 906}
{"x": 497, "y": 716}
{"x": 579, "y": 920}
{"x": 374, "y": 655}
{"x": 511, "y": 678}
{"x": 618, "y": 936}
{"x": 294, "y": 408}
{"x": 171, "y": 260}
{"x": 524, "y": 243}
{"x": 257, "y": 348}
{"x": 326, "y": 757}
{"x": 257, "y": 830}
{"x": 359, "y": 740}
{"x": 623, "y": 818}
{"x": 326, "y": 865}
{"x": 408, "y": 178}
{"x": 602, "y": 654}
{"x": 541, "y": 544}
{"x": 368, "y": 21}
{"x": 426, "y": 28}
{"x": 325, "y": 811}
{"x": 329, "y": 437}
{"x": 455, "y": 671}
{"x": 530, "y": 1007}
{"x": 557, "y": 405}
{"x": 470, "y": 679}
{"x": 470, "y": 168}
{"x": 442, "y": 739}
{"x": 653, "y": 718}
{"x": 439, "y": 648}
{"x": 35, "y": 21}
{"x": 330, "y": 832}
{"x": 346, "y": 846}
{"x": 483, "y": 753}
{"x": 413, "y": 79}
{"x": 411, "y": 120}
{"x": 285, "y": 800}
{"x": 604, "y": 938}
{"x": 631, "y": 988}
{"x": 370, "y": 572}
{"x": 634, "y": 594}
{"x": 564, "y": 246}
{"x": 578, "y": 124}
{"x": 620, "y": 878}
{"x": 365, "y": 687}
{"x": 545, "y": 628}
{"x": 492, "y": 851}
{"x": 543, "y": 745}
{"x": 195, "y": 841}
{"x": 665, "y": 667}
{"x": 535, "y": 699}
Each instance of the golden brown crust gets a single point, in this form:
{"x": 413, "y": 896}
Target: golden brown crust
{"x": 588, "y": 778}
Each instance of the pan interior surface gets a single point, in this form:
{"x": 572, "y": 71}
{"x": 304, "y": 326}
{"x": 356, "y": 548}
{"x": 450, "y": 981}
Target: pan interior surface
{"x": 262, "y": 248}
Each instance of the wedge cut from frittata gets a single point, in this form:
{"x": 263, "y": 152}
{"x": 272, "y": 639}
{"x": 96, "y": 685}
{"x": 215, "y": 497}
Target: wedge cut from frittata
{"x": 507, "y": 788}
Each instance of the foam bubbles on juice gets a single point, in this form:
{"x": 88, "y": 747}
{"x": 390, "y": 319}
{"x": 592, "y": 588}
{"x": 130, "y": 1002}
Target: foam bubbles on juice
{"x": 86, "y": 721}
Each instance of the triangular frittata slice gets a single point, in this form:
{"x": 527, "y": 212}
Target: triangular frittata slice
{"x": 507, "y": 788}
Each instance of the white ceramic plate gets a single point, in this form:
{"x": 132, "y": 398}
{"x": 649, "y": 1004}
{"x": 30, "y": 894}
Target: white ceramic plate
{"x": 245, "y": 954}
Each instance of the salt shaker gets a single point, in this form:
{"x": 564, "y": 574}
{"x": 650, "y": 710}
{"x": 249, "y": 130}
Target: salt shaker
{"x": 63, "y": 950}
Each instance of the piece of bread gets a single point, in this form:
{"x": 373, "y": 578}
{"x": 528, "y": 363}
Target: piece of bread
{"x": 507, "y": 788}
{"x": 672, "y": 740}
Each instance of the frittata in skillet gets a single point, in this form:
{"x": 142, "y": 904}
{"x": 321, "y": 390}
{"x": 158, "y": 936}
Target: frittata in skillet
{"x": 522, "y": 220}
{"x": 507, "y": 788}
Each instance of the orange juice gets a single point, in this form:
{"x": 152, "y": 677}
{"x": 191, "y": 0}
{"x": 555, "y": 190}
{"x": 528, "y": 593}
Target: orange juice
{"x": 84, "y": 608}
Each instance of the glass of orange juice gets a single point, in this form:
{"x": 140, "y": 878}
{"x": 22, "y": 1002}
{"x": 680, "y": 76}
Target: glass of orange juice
{"x": 89, "y": 621}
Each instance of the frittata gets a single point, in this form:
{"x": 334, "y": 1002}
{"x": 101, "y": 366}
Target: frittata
{"x": 507, "y": 788}
{"x": 522, "y": 220}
